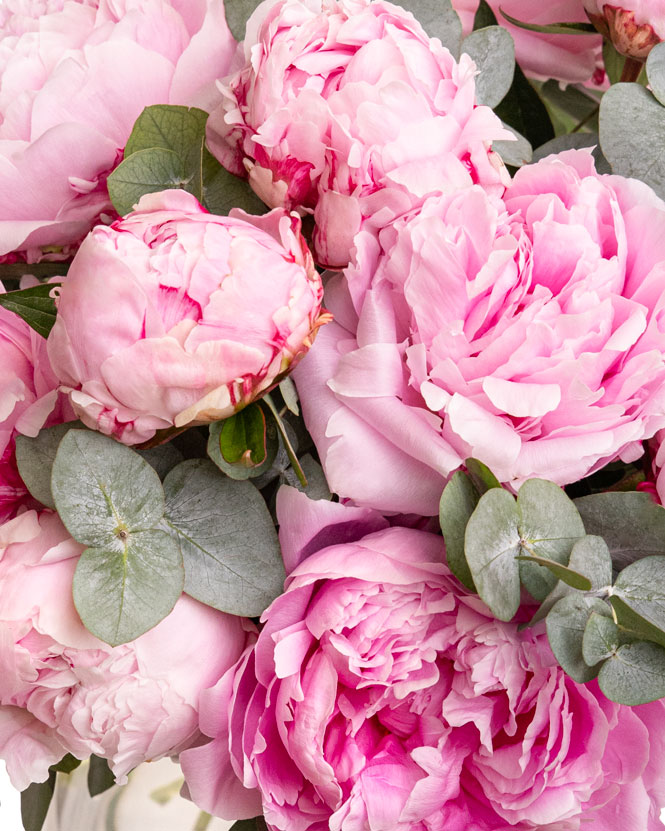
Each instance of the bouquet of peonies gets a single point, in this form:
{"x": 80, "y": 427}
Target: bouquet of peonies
{"x": 332, "y": 408}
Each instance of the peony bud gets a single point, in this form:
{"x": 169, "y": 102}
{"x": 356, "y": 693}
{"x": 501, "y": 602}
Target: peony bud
{"x": 634, "y": 28}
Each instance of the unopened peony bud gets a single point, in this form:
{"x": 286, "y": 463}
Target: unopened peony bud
{"x": 634, "y": 27}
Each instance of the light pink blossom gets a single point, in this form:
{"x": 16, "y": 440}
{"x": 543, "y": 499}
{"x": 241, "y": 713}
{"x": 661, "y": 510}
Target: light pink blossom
{"x": 74, "y": 76}
{"x": 528, "y": 333}
{"x": 64, "y": 691}
{"x": 381, "y": 696}
{"x": 633, "y": 26}
{"x": 348, "y": 110}
{"x": 173, "y": 316}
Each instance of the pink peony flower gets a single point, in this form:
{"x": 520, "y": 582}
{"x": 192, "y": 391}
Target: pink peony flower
{"x": 380, "y": 696}
{"x": 28, "y": 400}
{"x": 633, "y": 26}
{"x": 347, "y": 109}
{"x": 174, "y": 316}
{"x": 64, "y": 691}
{"x": 568, "y": 58}
{"x": 74, "y": 76}
{"x": 528, "y": 333}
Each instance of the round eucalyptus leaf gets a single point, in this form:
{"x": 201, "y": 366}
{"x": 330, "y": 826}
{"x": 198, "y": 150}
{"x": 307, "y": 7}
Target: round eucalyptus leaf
{"x": 634, "y": 674}
{"x": 104, "y": 491}
{"x": 601, "y": 639}
{"x": 493, "y": 52}
{"x": 146, "y": 171}
{"x": 458, "y": 501}
{"x": 439, "y": 20}
{"x": 641, "y": 586}
{"x": 566, "y": 622}
{"x": 35, "y": 457}
{"x": 656, "y": 71}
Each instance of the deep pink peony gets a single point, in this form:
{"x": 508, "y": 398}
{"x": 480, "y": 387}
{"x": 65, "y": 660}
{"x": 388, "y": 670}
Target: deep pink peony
{"x": 28, "y": 400}
{"x": 568, "y": 58}
{"x": 347, "y": 109}
{"x": 633, "y": 26}
{"x": 380, "y": 696}
{"x": 174, "y": 316}
{"x": 64, "y": 691}
{"x": 74, "y": 76}
{"x": 528, "y": 333}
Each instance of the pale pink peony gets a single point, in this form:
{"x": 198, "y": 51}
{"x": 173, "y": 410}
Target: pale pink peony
{"x": 633, "y": 26}
{"x": 28, "y": 400}
{"x": 528, "y": 333}
{"x": 74, "y": 76}
{"x": 346, "y": 108}
{"x": 174, "y": 316}
{"x": 381, "y": 696}
{"x": 64, "y": 691}
{"x": 568, "y": 58}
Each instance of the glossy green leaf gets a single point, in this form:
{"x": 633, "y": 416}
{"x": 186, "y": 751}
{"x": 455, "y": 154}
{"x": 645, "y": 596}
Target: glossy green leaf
{"x": 458, "y": 501}
{"x": 253, "y": 429}
{"x": 493, "y": 52}
{"x": 35, "y": 457}
{"x": 565, "y": 624}
{"x": 35, "y": 801}
{"x": 634, "y": 674}
{"x": 227, "y": 539}
{"x": 34, "y": 305}
{"x": 100, "y": 777}
{"x": 601, "y": 639}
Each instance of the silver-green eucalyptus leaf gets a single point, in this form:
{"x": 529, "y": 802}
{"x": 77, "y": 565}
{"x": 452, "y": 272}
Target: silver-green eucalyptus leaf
{"x": 493, "y": 52}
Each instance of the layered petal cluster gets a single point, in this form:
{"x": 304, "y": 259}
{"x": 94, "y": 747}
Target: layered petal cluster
{"x": 346, "y": 108}
{"x": 64, "y": 691}
{"x": 173, "y": 316}
{"x": 528, "y": 333}
{"x": 29, "y": 399}
{"x": 633, "y": 26}
{"x": 74, "y": 77}
{"x": 568, "y": 58}
{"x": 380, "y": 695}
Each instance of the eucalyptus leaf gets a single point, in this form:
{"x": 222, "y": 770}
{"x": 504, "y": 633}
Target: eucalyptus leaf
{"x": 491, "y": 545}
{"x": 634, "y": 674}
{"x": 601, "y": 639}
{"x": 632, "y": 134}
{"x": 162, "y": 458}
{"x": 565, "y": 624}
{"x": 458, "y": 501}
{"x": 100, "y": 777}
{"x": 515, "y": 153}
{"x": 146, "y": 171}
{"x": 175, "y": 128}
{"x": 481, "y": 476}
{"x": 119, "y": 595}
{"x": 35, "y": 457}
{"x": 656, "y": 71}
{"x": 238, "y": 13}
{"x": 34, "y": 305}
{"x": 576, "y": 107}
{"x": 227, "y": 539}
{"x": 631, "y": 524}
{"x": 634, "y": 625}
{"x": 439, "y": 20}
{"x": 317, "y": 485}
{"x": 222, "y": 191}
{"x": 641, "y": 586}
{"x": 570, "y": 577}
{"x": 493, "y": 52}
{"x": 575, "y": 141}
{"x": 35, "y": 801}
{"x": 104, "y": 491}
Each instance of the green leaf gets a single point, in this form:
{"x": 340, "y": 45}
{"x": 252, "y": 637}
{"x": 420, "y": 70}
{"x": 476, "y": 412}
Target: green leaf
{"x": 601, "y": 639}
{"x": 612, "y": 61}
{"x": 162, "y": 458}
{"x": 250, "y": 429}
{"x": 290, "y": 395}
{"x": 439, "y": 20}
{"x": 574, "y": 28}
{"x": 458, "y": 501}
{"x": 119, "y": 595}
{"x": 295, "y": 464}
{"x": 634, "y": 674}
{"x": 549, "y": 527}
{"x": 35, "y": 801}
{"x": 493, "y": 52}
{"x": 238, "y": 13}
{"x": 103, "y": 491}
{"x": 317, "y": 485}
{"x": 256, "y": 824}
{"x": 574, "y": 107}
{"x": 656, "y": 71}
{"x": 631, "y": 524}
{"x": 523, "y": 110}
{"x": 35, "y": 457}
{"x": 634, "y": 625}
{"x": 632, "y": 151}
{"x": 227, "y": 539}
{"x": 484, "y": 16}
{"x": 565, "y": 624}
{"x": 515, "y": 153}
{"x": 482, "y": 477}
{"x": 170, "y": 127}
{"x": 641, "y": 586}
{"x": 100, "y": 778}
{"x": 575, "y": 141}
{"x": 147, "y": 171}
{"x": 34, "y": 305}
{"x": 568, "y": 575}
{"x": 67, "y": 764}
{"x": 223, "y": 191}
{"x": 491, "y": 544}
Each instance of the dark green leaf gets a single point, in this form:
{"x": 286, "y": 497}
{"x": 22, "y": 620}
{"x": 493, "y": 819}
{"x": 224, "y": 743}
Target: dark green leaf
{"x": 227, "y": 539}
{"x": 238, "y": 13}
{"x": 103, "y": 490}
{"x": 67, "y": 764}
{"x": 100, "y": 778}
{"x": 484, "y": 16}
{"x": 238, "y": 469}
{"x": 552, "y": 28}
{"x": 493, "y": 52}
{"x": 482, "y": 477}
{"x": 491, "y": 544}
{"x": 631, "y": 524}
{"x": 612, "y": 61}
{"x": 223, "y": 191}
{"x": 34, "y": 305}
{"x": 35, "y": 801}
{"x": 634, "y": 674}
{"x": 439, "y": 20}
{"x": 295, "y": 464}
{"x": 566, "y": 623}
{"x": 256, "y": 824}
{"x": 119, "y": 595}
{"x": 523, "y": 110}
{"x": 147, "y": 171}
{"x": 242, "y": 438}
{"x": 170, "y": 127}
{"x": 458, "y": 501}
{"x": 601, "y": 639}
{"x": 569, "y": 576}
{"x": 35, "y": 457}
